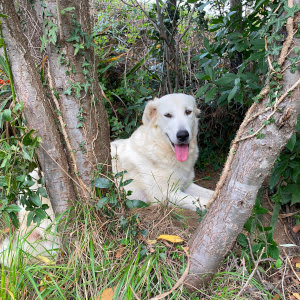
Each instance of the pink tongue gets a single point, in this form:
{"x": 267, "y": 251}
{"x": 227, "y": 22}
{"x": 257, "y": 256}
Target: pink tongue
{"x": 182, "y": 152}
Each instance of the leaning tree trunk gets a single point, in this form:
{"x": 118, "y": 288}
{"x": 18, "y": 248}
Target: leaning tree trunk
{"x": 68, "y": 113}
{"x": 249, "y": 162}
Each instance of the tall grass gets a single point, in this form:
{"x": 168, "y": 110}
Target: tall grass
{"x": 94, "y": 258}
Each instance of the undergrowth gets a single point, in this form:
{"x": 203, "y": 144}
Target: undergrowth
{"x": 95, "y": 257}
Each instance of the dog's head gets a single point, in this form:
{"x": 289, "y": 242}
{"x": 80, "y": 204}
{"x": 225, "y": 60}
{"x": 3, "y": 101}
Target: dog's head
{"x": 176, "y": 116}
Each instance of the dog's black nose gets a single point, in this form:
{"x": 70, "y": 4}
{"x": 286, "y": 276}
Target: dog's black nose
{"x": 182, "y": 135}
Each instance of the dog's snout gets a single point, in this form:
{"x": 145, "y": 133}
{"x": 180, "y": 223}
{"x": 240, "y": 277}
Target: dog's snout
{"x": 182, "y": 135}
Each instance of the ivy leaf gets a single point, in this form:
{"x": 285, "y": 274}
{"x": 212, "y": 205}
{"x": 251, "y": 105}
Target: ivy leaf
{"x": 68, "y": 91}
{"x": 63, "y": 11}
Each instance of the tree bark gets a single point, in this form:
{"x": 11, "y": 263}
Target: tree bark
{"x": 85, "y": 124}
{"x": 37, "y": 111}
{"x": 249, "y": 162}
{"x": 72, "y": 123}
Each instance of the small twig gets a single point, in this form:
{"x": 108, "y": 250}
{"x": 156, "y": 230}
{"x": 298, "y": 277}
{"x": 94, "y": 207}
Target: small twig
{"x": 254, "y": 261}
{"x": 268, "y": 56}
{"x": 289, "y": 261}
{"x": 282, "y": 280}
{"x": 107, "y": 99}
{"x": 61, "y": 167}
{"x": 289, "y": 39}
{"x": 187, "y": 26}
{"x": 180, "y": 281}
{"x": 251, "y": 275}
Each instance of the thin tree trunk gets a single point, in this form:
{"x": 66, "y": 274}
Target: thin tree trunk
{"x": 85, "y": 123}
{"x": 37, "y": 111}
{"x": 69, "y": 113}
{"x": 249, "y": 162}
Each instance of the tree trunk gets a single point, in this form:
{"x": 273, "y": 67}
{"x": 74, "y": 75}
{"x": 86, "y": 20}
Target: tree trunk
{"x": 249, "y": 162}
{"x": 72, "y": 121}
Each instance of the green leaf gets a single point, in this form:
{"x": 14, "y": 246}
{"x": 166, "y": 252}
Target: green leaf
{"x": 202, "y": 90}
{"x": 14, "y": 219}
{"x": 126, "y": 182}
{"x": 40, "y": 213}
{"x": 42, "y": 192}
{"x": 206, "y": 43}
{"x": 273, "y": 252}
{"x": 210, "y": 94}
{"x": 136, "y": 204}
{"x": 3, "y": 16}
{"x": 13, "y": 208}
{"x": 291, "y": 143}
{"x": 6, "y": 115}
{"x": 232, "y": 93}
{"x": 35, "y": 199}
{"x": 68, "y": 91}
{"x": 275, "y": 215}
{"x": 278, "y": 263}
{"x": 295, "y": 196}
{"x": 30, "y": 217}
{"x": 103, "y": 183}
{"x": 226, "y": 80}
{"x": 101, "y": 202}
{"x": 27, "y": 140}
{"x": 242, "y": 240}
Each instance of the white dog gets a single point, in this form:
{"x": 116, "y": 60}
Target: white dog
{"x": 159, "y": 157}
{"x": 161, "y": 154}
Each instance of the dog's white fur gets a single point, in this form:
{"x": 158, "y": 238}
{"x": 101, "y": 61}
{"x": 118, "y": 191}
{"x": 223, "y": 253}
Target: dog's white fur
{"x": 148, "y": 155}
{"x": 34, "y": 240}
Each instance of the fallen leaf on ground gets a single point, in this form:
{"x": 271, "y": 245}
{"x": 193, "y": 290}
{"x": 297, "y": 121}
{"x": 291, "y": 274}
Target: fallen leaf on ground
{"x": 5, "y": 230}
{"x": 296, "y": 228}
{"x": 296, "y": 295}
{"x": 120, "y": 252}
{"x": 296, "y": 259}
{"x": 151, "y": 242}
{"x": 108, "y": 294}
{"x": 297, "y": 265}
{"x": 45, "y": 260}
{"x": 170, "y": 238}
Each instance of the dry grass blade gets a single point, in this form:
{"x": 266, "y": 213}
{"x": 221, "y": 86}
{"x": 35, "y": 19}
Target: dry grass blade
{"x": 251, "y": 275}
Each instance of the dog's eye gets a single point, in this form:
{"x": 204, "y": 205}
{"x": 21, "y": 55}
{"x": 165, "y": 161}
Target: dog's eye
{"x": 188, "y": 112}
{"x": 168, "y": 115}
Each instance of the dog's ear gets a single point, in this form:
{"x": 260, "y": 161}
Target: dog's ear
{"x": 150, "y": 112}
